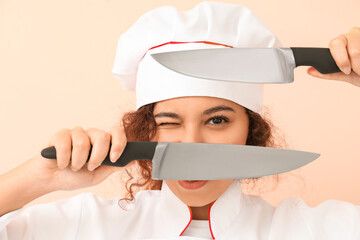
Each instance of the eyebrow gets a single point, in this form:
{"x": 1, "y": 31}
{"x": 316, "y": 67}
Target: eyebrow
{"x": 217, "y": 109}
{"x": 167, "y": 114}
{"x": 206, "y": 112}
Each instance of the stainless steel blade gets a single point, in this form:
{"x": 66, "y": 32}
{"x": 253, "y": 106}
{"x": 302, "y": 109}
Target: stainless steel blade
{"x": 205, "y": 161}
{"x": 250, "y": 65}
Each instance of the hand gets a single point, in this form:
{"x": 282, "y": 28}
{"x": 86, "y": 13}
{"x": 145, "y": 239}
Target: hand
{"x": 63, "y": 174}
{"x": 345, "y": 50}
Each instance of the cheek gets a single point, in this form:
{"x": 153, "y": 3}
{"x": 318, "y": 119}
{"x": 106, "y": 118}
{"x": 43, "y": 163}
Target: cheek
{"x": 239, "y": 133}
{"x": 234, "y": 134}
{"x": 167, "y": 135}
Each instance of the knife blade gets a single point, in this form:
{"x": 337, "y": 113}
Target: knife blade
{"x": 207, "y": 161}
{"x": 250, "y": 65}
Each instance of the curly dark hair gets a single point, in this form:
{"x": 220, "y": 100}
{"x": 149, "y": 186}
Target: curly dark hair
{"x": 140, "y": 125}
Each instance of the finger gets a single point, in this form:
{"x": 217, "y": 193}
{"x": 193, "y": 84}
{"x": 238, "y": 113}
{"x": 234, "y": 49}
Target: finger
{"x": 100, "y": 141}
{"x": 118, "y": 142}
{"x": 62, "y": 143}
{"x": 353, "y": 48}
{"x": 81, "y": 148}
{"x": 338, "y": 49}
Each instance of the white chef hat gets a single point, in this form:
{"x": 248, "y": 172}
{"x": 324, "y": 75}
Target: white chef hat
{"x": 207, "y": 25}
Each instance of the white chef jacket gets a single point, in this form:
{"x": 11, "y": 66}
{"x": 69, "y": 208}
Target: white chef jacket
{"x": 159, "y": 214}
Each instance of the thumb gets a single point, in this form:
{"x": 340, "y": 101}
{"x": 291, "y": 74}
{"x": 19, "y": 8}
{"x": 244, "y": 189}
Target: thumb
{"x": 313, "y": 72}
{"x": 351, "y": 78}
{"x": 339, "y": 76}
{"x": 103, "y": 172}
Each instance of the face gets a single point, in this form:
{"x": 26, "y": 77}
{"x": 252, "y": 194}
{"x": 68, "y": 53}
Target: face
{"x": 201, "y": 120}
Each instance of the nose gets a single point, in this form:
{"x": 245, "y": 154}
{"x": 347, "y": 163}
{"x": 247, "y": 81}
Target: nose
{"x": 192, "y": 133}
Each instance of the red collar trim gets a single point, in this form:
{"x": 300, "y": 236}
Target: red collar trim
{"x": 212, "y": 235}
{"x": 188, "y": 222}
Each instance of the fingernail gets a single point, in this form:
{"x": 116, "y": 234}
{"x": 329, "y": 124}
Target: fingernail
{"x": 62, "y": 167}
{"x": 114, "y": 156}
{"x": 347, "y": 70}
{"x": 91, "y": 167}
{"x": 75, "y": 169}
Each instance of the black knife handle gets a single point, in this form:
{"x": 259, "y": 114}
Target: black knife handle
{"x": 133, "y": 151}
{"x": 319, "y": 58}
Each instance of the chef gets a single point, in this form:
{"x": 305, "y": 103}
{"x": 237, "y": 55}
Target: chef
{"x": 180, "y": 109}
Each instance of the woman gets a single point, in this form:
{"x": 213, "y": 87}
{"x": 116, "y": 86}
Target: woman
{"x": 174, "y": 108}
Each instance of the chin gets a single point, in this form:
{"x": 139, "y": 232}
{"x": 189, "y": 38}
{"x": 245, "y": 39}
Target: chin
{"x": 194, "y": 201}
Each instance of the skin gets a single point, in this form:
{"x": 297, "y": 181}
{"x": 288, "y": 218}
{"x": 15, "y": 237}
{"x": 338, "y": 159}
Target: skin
{"x": 38, "y": 176}
{"x": 204, "y": 120}
{"x": 345, "y": 50}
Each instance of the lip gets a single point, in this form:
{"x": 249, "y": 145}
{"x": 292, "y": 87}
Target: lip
{"x": 192, "y": 185}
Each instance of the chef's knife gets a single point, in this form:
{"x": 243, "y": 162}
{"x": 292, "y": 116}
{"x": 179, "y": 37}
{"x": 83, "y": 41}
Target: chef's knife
{"x": 208, "y": 161}
{"x": 251, "y": 65}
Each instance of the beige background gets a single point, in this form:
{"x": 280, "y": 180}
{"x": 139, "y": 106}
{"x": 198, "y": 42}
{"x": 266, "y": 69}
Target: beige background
{"x": 55, "y": 72}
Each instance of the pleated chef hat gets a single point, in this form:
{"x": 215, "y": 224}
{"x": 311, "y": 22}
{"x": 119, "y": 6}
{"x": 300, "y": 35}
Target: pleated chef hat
{"x": 207, "y": 25}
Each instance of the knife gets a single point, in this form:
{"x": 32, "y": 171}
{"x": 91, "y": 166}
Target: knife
{"x": 207, "y": 161}
{"x": 250, "y": 65}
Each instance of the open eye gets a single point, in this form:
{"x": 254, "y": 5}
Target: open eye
{"x": 218, "y": 120}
